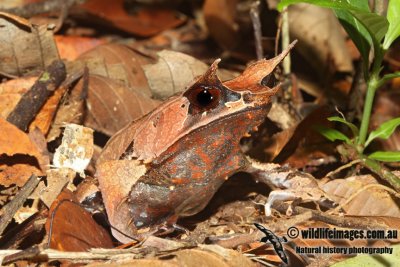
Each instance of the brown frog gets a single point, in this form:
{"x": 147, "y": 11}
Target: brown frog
{"x": 169, "y": 163}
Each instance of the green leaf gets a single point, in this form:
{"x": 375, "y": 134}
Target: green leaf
{"x": 389, "y": 76}
{"x": 387, "y": 156}
{"x": 384, "y": 131}
{"x": 352, "y": 127}
{"x": 375, "y": 24}
{"x": 393, "y": 14}
{"x": 332, "y": 134}
{"x": 357, "y": 5}
{"x": 357, "y": 32}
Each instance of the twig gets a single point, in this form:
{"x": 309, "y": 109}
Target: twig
{"x": 255, "y": 19}
{"x": 11, "y": 208}
{"x": 347, "y": 222}
{"x": 341, "y": 168}
{"x": 285, "y": 41}
{"x": 33, "y": 100}
{"x": 39, "y": 254}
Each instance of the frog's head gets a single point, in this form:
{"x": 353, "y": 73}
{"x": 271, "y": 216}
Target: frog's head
{"x": 207, "y": 103}
{"x": 208, "y": 99}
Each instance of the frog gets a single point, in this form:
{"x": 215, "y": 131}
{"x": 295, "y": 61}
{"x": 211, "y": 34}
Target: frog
{"x": 169, "y": 163}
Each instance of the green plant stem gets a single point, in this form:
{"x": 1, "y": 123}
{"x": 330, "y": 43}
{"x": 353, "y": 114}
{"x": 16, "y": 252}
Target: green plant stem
{"x": 349, "y": 152}
{"x": 369, "y": 100}
{"x": 380, "y": 170}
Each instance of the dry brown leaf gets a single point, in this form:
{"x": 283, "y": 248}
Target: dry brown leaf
{"x": 145, "y": 22}
{"x": 71, "y": 47}
{"x": 120, "y": 63}
{"x": 373, "y": 201}
{"x": 172, "y": 73}
{"x": 56, "y": 179}
{"x": 17, "y": 37}
{"x": 321, "y": 38}
{"x": 20, "y": 156}
{"x": 71, "y": 109}
{"x": 206, "y": 255}
{"x": 46, "y": 114}
{"x": 220, "y": 18}
{"x": 73, "y": 228}
{"x": 112, "y": 105}
{"x": 189, "y": 39}
{"x": 11, "y": 92}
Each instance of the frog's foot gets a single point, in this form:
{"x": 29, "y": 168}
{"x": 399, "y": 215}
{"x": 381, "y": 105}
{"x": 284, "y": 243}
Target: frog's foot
{"x": 170, "y": 228}
{"x": 280, "y": 195}
{"x": 291, "y": 184}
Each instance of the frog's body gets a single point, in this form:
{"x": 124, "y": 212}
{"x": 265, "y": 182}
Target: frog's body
{"x": 170, "y": 163}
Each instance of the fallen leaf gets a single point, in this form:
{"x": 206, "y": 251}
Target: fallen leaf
{"x": 120, "y": 63}
{"x": 44, "y": 118}
{"x": 321, "y": 38}
{"x": 145, "y": 22}
{"x": 220, "y": 17}
{"x": 17, "y": 36}
{"x": 11, "y": 92}
{"x": 372, "y": 201}
{"x": 71, "y": 47}
{"x": 112, "y": 105}
{"x": 20, "y": 156}
{"x": 72, "y": 228}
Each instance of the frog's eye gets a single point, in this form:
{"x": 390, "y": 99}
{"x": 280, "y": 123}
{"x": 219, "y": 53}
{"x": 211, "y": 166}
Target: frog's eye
{"x": 204, "y": 97}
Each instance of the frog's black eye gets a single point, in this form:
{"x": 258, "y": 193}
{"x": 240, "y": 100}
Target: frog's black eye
{"x": 204, "y": 97}
{"x": 270, "y": 80}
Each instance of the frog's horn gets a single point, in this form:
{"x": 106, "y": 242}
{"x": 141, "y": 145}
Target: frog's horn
{"x": 210, "y": 76}
{"x": 253, "y": 75}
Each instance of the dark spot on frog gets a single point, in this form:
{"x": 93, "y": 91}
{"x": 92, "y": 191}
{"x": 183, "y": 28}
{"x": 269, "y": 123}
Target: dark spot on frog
{"x": 183, "y": 106}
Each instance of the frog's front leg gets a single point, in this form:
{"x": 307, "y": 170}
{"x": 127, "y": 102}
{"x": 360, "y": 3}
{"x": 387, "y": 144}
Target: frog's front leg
{"x": 288, "y": 184}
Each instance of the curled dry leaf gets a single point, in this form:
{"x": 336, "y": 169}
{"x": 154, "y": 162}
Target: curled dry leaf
{"x": 20, "y": 156}
{"x": 145, "y": 22}
{"x": 112, "y": 105}
{"x": 17, "y": 36}
{"x": 372, "y": 201}
{"x": 73, "y": 228}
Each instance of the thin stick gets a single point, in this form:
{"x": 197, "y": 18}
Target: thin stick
{"x": 32, "y": 101}
{"x": 348, "y": 165}
{"x": 11, "y": 208}
{"x": 255, "y": 19}
{"x": 285, "y": 41}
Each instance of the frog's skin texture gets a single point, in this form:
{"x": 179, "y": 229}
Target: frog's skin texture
{"x": 169, "y": 163}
